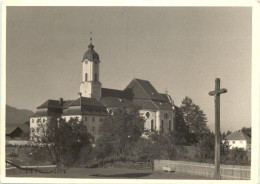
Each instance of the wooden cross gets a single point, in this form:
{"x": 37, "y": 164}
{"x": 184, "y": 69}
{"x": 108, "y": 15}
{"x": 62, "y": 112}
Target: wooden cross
{"x": 216, "y": 93}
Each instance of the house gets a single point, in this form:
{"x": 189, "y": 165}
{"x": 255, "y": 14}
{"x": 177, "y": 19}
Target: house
{"x": 239, "y": 140}
{"x": 17, "y": 134}
{"x": 95, "y": 102}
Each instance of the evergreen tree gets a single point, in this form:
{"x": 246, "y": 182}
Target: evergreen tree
{"x": 195, "y": 120}
{"x": 246, "y": 131}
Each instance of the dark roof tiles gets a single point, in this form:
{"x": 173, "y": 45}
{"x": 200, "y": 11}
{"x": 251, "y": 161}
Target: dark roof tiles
{"x": 115, "y": 102}
{"x": 126, "y": 94}
{"x": 238, "y": 136}
{"x": 55, "y": 104}
{"x": 79, "y": 111}
{"x": 40, "y": 114}
{"x": 84, "y": 101}
{"x": 144, "y": 89}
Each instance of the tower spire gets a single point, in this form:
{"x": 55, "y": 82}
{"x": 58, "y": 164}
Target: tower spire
{"x": 90, "y": 37}
{"x": 91, "y": 46}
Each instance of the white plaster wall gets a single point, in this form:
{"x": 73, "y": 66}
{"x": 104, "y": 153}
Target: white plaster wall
{"x": 237, "y": 144}
{"x": 37, "y": 122}
{"x": 86, "y": 69}
{"x": 166, "y": 121}
{"x": 158, "y": 120}
{"x": 91, "y": 68}
{"x": 147, "y": 124}
{"x": 93, "y": 125}
{"x": 90, "y": 88}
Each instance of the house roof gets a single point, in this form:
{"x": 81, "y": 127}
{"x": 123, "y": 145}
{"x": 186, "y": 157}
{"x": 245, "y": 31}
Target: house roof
{"x": 54, "y": 104}
{"x": 88, "y": 111}
{"x": 116, "y": 102}
{"x": 84, "y": 101}
{"x": 167, "y": 98}
{"x": 40, "y": 114}
{"x": 67, "y": 103}
{"x": 151, "y": 104}
{"x": 24, "y": 128}
{"x": 238, "y": 136}
{"x": 126, "y": 94}
{"x": 10, "y": 128}
{"x": 85, "y": 106}
{"x": 143, "y": 89}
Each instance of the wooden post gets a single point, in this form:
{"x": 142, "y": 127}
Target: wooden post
{"x": 216, "y": 93}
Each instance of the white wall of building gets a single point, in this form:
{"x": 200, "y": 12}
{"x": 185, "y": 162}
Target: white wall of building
{"x": 237, "y": 144}
{"x": 92, "y": 122}
{"x": 159, "y": 117}
{"x": 148, "y": 120}
{"x": 90, "y": 88}
{"x": 37, "y": 126}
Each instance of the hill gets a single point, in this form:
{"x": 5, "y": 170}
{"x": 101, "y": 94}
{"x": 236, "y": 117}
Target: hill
{"x": 17, "y": 116}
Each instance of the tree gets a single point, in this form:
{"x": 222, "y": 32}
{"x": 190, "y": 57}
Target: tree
{"x": 120, "y": 131}
{"x": 246, "y": 131}
{"x": 195, "y": 120}
{"x": 62, "y": 140}
{"x": 239, "y": 156}
{"x": 225, "y": 134}
{"x": 160, "y": 146}
{"x": 205, "y": 148}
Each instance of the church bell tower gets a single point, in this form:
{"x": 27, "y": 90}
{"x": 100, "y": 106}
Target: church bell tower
{"x": 90, "y": 86}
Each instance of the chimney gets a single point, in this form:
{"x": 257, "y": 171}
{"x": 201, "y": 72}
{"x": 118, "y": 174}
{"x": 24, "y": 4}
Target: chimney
{"x": 61, "y": 101}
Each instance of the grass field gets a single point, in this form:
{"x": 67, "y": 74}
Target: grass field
{"x": 109, "y": 173}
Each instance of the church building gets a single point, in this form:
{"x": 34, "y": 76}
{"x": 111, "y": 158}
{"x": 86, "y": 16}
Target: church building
{"x": 95, "y": 103}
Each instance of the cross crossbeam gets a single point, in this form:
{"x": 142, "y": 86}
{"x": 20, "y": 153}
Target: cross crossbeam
{"x": 216, "y": 93}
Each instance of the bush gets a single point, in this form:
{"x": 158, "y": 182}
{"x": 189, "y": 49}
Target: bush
{"x": 239, "y": 156}
{"x": 13, "y": 154}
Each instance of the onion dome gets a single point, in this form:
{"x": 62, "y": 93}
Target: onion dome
{"x": 91, "y": 54}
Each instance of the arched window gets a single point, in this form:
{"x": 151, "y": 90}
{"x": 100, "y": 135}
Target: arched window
{"x": 162, "y": 126}
{"x": 152, "y": 126}
{"x": 147, "y": 114}
{"x": 86, "y": 77}
{"x": 170, "y": 125}
{"x": 166, "y": 116}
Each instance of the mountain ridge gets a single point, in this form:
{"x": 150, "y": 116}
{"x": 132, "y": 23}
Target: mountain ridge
{"x": 17, "y": 116}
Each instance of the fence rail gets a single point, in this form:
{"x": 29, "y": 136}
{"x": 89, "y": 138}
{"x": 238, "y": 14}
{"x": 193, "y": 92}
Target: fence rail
{"x": 28, "y": 169}
{"x": 204, "y": 169}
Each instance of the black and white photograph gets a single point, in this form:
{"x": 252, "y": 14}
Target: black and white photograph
{"x": 110, "y": 93}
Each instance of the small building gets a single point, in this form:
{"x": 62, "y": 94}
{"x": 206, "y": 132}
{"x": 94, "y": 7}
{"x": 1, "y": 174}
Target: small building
{"x": 17, "y": 134}
{"x": 239, "y": 140}
{"x": 89, "y": 110}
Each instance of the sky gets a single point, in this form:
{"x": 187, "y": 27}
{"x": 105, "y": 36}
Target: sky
{"x": 182, "y": 49}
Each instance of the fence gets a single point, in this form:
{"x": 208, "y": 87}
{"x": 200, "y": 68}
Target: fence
{"x": 234, "y": 172}
{"x": 30, "y": 169}
{"x": 17, "y": 142}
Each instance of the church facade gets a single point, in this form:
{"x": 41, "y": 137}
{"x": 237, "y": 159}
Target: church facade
{"x": 95, "y": 103}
